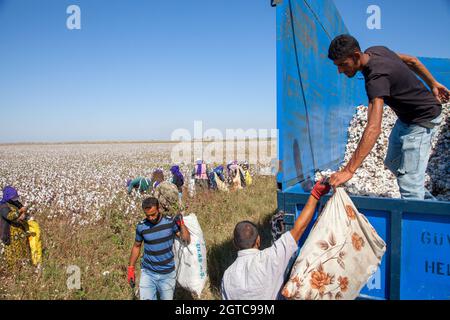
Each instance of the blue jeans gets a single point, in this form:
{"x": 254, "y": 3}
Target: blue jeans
{"x": 152, "y": 282}
{"x": 407, "y": 157}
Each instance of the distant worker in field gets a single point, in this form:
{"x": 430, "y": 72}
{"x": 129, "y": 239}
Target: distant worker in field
{"x": 158, "y": 275}
{"x": 390, "y": 78}
{"x": 259, "y": 274}
{"x": 177, "y": 179}
{"x": 14, "y": 229}
{"x": 236, "y": 175}
{"x": 200, "y": 174}
{"x": 217, "y": 179}
{"x": 157, "y": 178}
{"x": 140, "y": 184}
{"x": 219, "y": 172}
{"x": 247, "y": 176}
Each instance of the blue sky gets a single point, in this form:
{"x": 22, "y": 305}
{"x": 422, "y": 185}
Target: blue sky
{"x": 138, "y": 69}
{"x": 416, "y": 27}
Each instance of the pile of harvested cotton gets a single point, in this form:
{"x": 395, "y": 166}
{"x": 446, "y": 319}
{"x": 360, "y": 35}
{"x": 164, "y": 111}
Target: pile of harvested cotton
{"x": 374, "y": 179}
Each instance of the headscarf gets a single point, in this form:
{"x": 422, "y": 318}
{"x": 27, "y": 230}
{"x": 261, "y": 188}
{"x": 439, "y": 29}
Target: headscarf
{"x": 230, "y": 165}
{"x": 199, "y": 167}
{"x": 9, "y": 193}
{"x": 176, "y": 172}
{"x": 157, "y": 177}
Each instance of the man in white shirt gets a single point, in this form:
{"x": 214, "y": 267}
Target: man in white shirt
{"x": 259, "y": 274}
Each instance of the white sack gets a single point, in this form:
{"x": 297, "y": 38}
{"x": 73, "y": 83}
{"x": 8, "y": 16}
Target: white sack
{"x": 190, "y": 261}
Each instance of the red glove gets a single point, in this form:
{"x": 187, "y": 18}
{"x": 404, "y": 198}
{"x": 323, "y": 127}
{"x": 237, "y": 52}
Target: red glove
{"x": 320, "y": 189}
{"x": 131, "y": 274}
{"x": 179, "y": 220}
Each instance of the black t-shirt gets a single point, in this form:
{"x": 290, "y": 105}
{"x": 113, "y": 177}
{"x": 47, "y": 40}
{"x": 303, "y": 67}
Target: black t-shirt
{"x": 388, "y": 77}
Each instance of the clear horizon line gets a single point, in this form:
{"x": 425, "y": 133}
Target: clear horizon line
{"x": 123, "y": 141}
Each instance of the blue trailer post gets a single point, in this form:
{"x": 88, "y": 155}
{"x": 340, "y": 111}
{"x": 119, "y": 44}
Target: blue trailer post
{"x": 314, "y": 108}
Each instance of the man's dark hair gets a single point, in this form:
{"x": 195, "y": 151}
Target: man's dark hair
{"x": 150, "y": 203}
{"x": 245, "y": 235}
{"x": 343, "y": 46}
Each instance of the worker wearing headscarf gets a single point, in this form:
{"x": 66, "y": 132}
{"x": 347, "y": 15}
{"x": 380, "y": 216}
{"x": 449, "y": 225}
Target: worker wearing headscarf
{"x": 157, "y": 178}
{"x": 219, "y": 171}
{"x": 13, "y": 229}
{"x": 177, "y": 178}
{"x": 200, "y": 174}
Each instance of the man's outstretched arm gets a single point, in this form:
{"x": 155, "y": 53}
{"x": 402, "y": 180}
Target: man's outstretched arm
{"x": 368, "y": 140}
{"x": 321, "y": 188}
{"x": 440, "y": 91}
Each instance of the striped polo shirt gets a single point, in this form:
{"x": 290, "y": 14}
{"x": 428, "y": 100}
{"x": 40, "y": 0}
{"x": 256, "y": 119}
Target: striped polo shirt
{"x": 158, "y": 243}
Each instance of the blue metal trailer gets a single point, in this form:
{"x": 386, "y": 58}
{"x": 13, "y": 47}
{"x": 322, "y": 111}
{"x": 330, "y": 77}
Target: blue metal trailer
{"x": 314, "y": 108}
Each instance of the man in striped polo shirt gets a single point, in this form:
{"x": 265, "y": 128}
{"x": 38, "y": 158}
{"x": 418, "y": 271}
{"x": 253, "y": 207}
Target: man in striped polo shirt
{"x": 158, "y": 266}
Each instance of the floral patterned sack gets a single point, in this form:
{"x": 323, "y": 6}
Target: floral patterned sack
{"x": 339, "y": 256}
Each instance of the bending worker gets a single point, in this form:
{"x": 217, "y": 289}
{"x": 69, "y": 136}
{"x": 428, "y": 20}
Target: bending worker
{"x": 390, "y": 79}
{"x": 259, "y": 274}
{"x": 140, "y": 184}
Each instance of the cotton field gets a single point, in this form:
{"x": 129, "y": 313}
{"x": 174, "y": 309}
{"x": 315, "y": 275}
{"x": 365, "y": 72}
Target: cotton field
{"x": 78, "y": 180}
